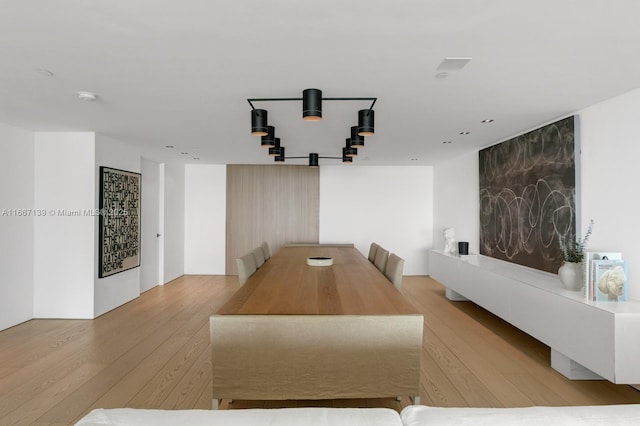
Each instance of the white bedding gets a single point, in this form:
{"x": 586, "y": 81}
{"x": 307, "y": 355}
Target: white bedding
{"x": 248, "y": 417}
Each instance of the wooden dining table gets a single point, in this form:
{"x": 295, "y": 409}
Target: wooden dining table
{"x": 295, "y": 331}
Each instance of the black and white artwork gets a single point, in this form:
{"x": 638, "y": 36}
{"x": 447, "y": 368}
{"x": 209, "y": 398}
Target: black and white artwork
{"x": 119, "y": 240}
{"x": 528, "y": 196}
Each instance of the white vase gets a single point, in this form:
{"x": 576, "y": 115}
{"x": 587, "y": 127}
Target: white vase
{"x": 572, "y": 276}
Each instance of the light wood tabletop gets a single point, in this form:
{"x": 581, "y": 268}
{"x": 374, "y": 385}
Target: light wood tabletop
{"x": 286, "y": 285}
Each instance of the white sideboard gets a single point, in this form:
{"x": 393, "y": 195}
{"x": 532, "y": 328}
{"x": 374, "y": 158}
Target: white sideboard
{"x": 588, "y": 340}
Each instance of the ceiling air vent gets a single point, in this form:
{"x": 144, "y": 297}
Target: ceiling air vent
{"x": 453, "y": 63}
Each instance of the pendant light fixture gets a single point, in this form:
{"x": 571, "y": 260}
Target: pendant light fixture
{"x": 348, "y": 150}
{"x": 345, "y": 157}
{"x": 312, "y": 111}
{"x": 275, "y": 150}
{"x": 365, "y": 122}
{"x": 312, "y": 104}
{"x": 259, "y": 122}
{"x": 269, "y": 141}
{"x": 313, "y": 159}
{"x": 357, "y": 141}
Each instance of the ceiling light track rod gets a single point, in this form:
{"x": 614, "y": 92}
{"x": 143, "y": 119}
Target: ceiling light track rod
{"x": 251, "y": 100}
{"x": 320, "y": 156}
{"x": 270, "y": 100}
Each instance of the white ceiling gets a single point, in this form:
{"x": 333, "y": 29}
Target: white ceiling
{"x": 179, "y": 72}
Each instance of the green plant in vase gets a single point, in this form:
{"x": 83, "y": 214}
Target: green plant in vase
{"x": 573, "y": 250}
{"x": 571, "y": 272}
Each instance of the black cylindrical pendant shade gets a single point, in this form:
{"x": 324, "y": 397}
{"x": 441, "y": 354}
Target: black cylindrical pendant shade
{"x": 345, "y": 157}
{"x": 349, "y": 151}
{"x": 312, "y": 104}
{"x": 259, "y": 122}
{"x": 270, "y": 139}
{"x": 276, "y": 147}
{"x": 313, "y": 160}
{"x": 280, "y": 158}
{"x": 357, "y": 141}
{"x": 365, "y": 122}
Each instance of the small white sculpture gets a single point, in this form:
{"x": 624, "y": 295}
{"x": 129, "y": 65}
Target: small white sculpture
{"x": 450, "y": 246}
{"x": 611, "y": 283}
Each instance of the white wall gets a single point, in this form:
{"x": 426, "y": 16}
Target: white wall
{"x": 391, "y": 205}
{"x": 205, "y": 219}
{"x": 64, "y": 246}
{"x": 117, "y": 289}
{"x": 609, "y": 138}
{"x": 49, "y": 265}
{"x": 456, "y": 200}
{"x": 610, "y": 175}
{"x": 16, "y": 241}
{"x": 173, "y": 221}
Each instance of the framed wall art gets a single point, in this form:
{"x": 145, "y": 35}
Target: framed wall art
{"x": 119, "y": 223}
{"x": 528, "y": 196}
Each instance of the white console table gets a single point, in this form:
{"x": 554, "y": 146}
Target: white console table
{"x": 588, "y": 340}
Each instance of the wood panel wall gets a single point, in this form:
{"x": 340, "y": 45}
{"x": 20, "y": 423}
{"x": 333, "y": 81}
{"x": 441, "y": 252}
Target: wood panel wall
{"x": 278, "y": 204}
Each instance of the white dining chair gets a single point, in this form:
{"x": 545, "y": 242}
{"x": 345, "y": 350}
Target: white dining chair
{"x": 381, "y": 259}
{"x": 246, "y": 267}
{"x": 258, "y": 255}
{"x": 372, "y": 252}
{"x": 393, "y": 271}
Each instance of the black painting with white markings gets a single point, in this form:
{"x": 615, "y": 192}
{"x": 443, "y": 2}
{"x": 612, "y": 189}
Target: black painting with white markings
{"x": 528, "y": 196}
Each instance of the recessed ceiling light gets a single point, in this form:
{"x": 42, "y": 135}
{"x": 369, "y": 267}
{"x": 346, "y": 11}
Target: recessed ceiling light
{"x": 43, "y": 72}
{"x": 414, "y": 159}
{"x": 488, "y": 120}
{"x": 446, "y": 142}
{"x": 465, "y": 133}
{"x": 87, "y": 96}
{"x": 196, "y": 158}
{"x": 169, "y": 146}
{"x": 184, "y": 153}
{"x": 441, "y": 75}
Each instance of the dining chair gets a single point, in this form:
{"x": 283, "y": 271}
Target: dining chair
{"x": 258, "y": 254}
{"x": 380, "y": 261}
{"x": 372, "y": 252}
{"x": 393, "y": 271}
{"x": 246, "y": 267}
{"x": 348, "y": 245}
{"x": 266, "y": 250}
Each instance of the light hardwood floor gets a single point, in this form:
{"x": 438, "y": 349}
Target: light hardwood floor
{"x": 154, "y": 352}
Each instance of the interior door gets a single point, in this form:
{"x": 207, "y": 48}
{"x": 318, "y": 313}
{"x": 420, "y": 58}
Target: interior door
{"x": 151, "y": 235}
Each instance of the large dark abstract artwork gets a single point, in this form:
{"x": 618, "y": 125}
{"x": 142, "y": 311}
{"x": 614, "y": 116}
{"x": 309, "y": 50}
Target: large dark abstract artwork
{"x": 119, "y": 226}
{"x": 527, "y": 196}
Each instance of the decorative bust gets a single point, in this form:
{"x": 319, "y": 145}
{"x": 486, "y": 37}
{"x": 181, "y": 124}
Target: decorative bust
{"x": 450, "y": 241}
{"x": 611, "y": 283}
